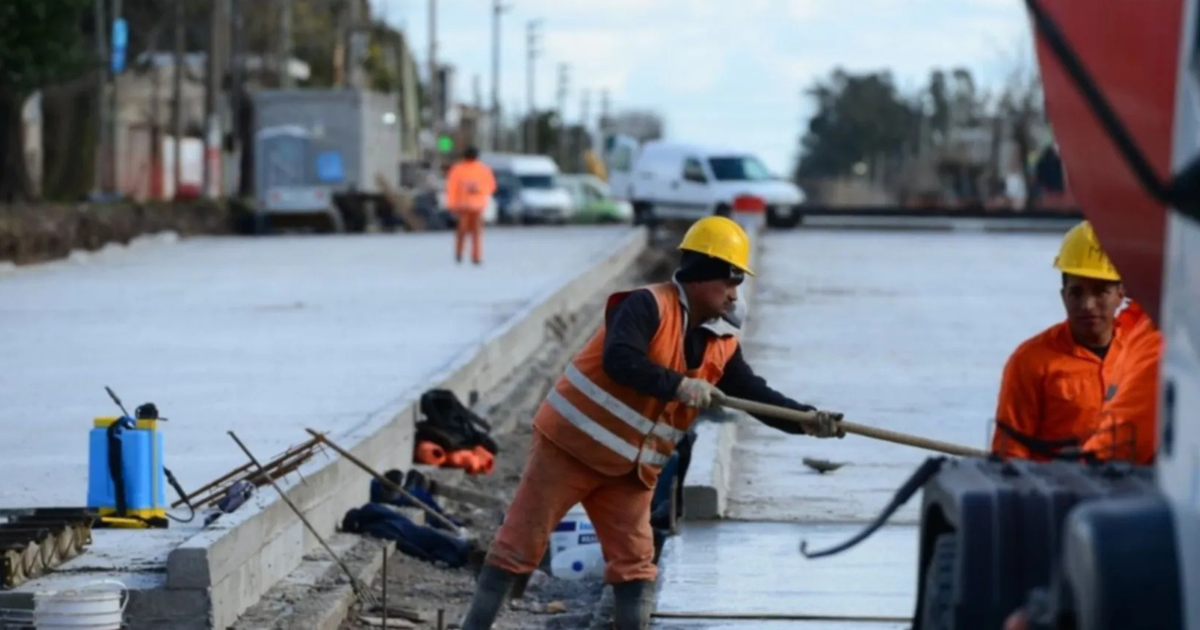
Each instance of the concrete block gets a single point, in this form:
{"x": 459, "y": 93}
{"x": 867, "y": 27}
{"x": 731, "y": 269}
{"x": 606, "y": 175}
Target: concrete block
{"x": 710, "y": 475}
{"x": 261, "y": 544}
{"x": 706, "y": 487}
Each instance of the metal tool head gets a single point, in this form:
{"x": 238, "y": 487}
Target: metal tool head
{"x": 822, "y": 466}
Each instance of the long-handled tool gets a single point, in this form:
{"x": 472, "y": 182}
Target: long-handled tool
{"x": 387, "y": 483}
{"x": 361, "y": 590}
{"x": 809, "y": 418}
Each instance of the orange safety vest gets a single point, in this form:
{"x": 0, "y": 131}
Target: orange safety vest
{"x": 610, "y": 427}
{"x": 469, "y": 185}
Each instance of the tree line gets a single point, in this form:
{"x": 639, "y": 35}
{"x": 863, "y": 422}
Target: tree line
{"x": 862, "y": 118}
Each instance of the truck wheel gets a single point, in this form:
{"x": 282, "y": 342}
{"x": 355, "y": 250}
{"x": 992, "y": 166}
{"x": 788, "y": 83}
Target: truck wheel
{"x": 937, "y": 611}
{"x": 643, "y": 213}
{"x": 723, "y": 211}
{"x": 776, "y": 221}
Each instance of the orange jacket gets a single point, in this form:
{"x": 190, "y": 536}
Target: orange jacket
{"x": 1128, "y": 428}
{"x": 1058, "y": 392}
{"x": 610, "y": 427}
{"x": 1053, "y": 390}
{"x": 469, "y": 185}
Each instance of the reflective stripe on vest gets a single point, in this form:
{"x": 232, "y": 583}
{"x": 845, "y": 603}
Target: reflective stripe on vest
{"x": 644, "y": 426}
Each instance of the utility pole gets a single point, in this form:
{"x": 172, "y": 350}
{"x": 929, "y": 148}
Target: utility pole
{"x": 101, "y": 148}
{"x": 237, "y": 83}
{"x": 177, "y": 100}
{"x": 219, "y": 19}
{"x": 434, "y": 106}
{"x": 498, "y": 9}
{"x": 605, "y": 122}
{"x": 114, "y": 109}
{"x": 563, "y": 77}
{"x": 585, "y": 110}
{"x": 531, "y": 53}
{"x": 283, "y": 50}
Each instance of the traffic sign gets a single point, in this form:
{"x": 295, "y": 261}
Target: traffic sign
{"x": 120, "y": 42}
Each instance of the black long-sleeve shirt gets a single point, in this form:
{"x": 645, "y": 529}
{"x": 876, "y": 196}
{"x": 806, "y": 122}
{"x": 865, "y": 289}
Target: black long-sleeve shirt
{"x": 632, "y": 324}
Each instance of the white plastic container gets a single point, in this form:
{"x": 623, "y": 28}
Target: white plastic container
{"x": 577, "y": 563}
{"x": 574, "y": 530}
{"x": 98, "y": 605}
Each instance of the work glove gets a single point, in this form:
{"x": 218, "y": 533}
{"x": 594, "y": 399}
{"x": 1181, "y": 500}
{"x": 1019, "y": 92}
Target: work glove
{"x": 828, "y": 425}
{"x": 698, "y": 393}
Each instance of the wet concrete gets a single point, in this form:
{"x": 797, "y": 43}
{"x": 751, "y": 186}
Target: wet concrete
{"x": 756, "y": 624}
{"x": 732, "y": 569}
{"x": 907, "y": 331}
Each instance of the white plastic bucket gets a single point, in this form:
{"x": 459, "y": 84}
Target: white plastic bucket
{"x": 574, "y": 530}
{"x": 98, "y": 605}
{"x": 578, "y": 562}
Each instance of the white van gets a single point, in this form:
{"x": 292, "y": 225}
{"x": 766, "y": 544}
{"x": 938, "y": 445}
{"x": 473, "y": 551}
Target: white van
{"x": 679, "y": 181}
{"x": 538, "y": 196}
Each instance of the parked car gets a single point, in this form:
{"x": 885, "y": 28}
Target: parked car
{"x": 593, "y": 200}
{"x": 531, "y": 185}
{"x": 673, "y": 180}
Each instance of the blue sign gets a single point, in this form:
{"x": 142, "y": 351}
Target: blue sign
{"x": 120, "y": 41}
{"x": 329, "y": 167}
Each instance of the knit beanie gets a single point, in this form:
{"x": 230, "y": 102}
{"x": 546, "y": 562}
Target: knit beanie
{"x": 697, "y": 267}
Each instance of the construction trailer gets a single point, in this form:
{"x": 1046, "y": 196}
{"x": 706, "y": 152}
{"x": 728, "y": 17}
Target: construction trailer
{"x": 326, "y": 158}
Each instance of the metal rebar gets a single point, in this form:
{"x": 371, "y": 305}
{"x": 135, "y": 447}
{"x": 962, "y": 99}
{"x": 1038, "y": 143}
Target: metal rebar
{"x": 359, "y": 590}
{"x": 385, "y": 604}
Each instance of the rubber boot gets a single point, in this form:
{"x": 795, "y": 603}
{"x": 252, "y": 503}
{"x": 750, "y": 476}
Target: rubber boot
{"x": 633, "y": 603}
{"x": 491, "y": 591}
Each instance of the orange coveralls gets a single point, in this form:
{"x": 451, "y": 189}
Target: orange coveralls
{"x": 1060, "y": 393}
{"x": 603, "y": 444}
{"x": 1128, "y": 428}
{"x": 469, "y": 186}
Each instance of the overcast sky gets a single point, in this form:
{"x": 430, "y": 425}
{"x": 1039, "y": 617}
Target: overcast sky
{"x": 724, "y": 72}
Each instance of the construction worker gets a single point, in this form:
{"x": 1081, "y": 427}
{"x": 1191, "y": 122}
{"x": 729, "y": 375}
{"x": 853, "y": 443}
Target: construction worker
{"x": 469, "y": 186}
{"x": 665, "y": 352}
{"x": 1092, "y": 370}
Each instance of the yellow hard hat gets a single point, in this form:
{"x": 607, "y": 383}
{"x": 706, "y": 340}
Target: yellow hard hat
{"x": 1081, "y": 255}
{"x": 719, "y": 237}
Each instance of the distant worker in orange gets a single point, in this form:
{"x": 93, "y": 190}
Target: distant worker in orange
{"x": 1094, "y": 370}
{"x": 469, "y": 187}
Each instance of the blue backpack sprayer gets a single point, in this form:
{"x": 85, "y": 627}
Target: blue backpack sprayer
{"x": 126, "y": 472}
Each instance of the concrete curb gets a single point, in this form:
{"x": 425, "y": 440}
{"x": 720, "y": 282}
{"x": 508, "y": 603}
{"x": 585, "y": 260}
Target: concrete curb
{"x": 247, "y": 552}
{"x": 710, "y": 475}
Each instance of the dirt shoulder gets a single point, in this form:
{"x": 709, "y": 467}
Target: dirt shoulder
{"x": 547, "y": 602}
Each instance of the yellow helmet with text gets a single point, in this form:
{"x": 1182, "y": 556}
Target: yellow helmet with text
{"x": 1081, "y": 255}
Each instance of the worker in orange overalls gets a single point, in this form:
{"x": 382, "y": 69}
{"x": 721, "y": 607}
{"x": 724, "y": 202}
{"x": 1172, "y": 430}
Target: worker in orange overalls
{"x": 1094, "y": 370}
{"x": 601, "y": 438}
{"x": 469, "y": 187}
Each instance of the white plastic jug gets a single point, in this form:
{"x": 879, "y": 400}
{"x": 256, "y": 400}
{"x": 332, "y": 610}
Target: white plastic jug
{"x": 577, "y": 563}
{"x": 573, "y": 531}
{"x": 98, "y": 605}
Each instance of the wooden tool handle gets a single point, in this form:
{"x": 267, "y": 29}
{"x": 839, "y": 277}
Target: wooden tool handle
{"x": 809, "y": 418}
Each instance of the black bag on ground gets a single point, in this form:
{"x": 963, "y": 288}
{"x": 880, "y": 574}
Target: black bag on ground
{"x": 451, "y": 424}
